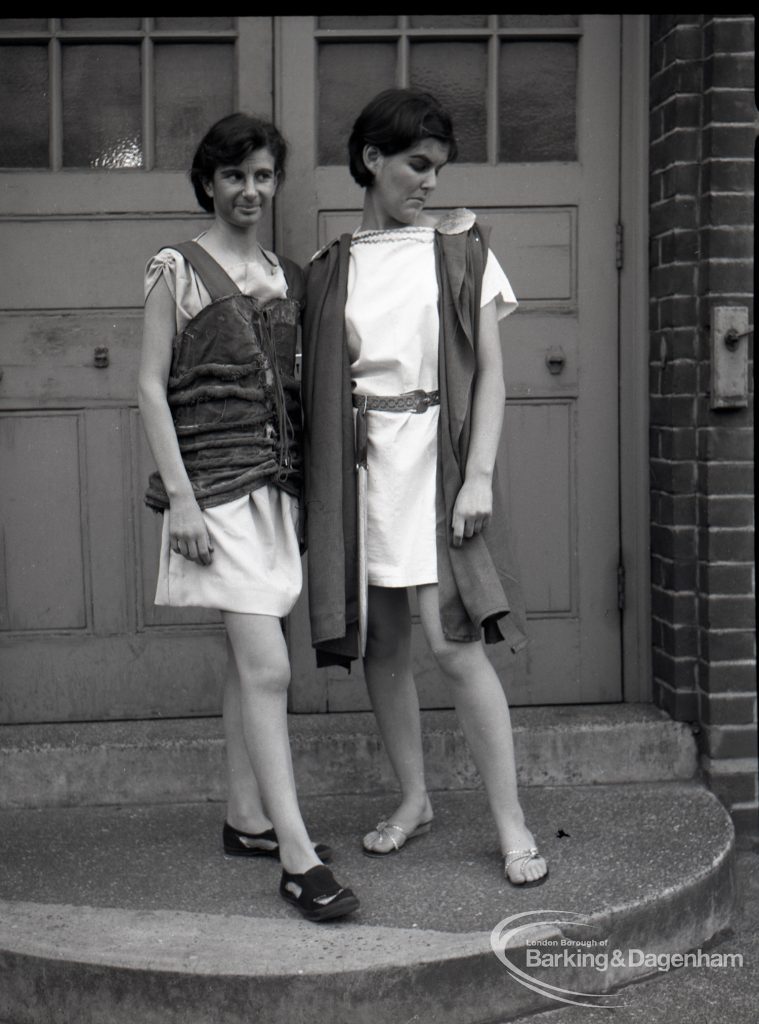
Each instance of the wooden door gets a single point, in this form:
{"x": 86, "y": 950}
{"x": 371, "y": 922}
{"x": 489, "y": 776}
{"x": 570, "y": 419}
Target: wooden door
{"x": 535, "y": 100}
{"x": 99, "y": 121}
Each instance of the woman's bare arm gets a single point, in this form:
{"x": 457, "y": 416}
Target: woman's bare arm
{"x": 187, "y": 527}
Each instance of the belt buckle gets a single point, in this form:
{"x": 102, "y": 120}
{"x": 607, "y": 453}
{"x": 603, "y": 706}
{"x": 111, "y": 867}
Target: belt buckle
{"x": 421, "y": 401}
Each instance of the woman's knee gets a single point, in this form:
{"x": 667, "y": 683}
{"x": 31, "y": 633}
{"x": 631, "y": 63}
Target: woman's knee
{"x": 262, "y": 673}
{"x": 457, "y": 661}
{"x": 447, "y": 657}
{"x": 258, "y": 652}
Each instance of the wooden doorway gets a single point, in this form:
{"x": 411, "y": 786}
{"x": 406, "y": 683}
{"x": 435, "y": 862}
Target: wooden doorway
{"x": 536, "y": 101}
{"x": 79, "y": 637}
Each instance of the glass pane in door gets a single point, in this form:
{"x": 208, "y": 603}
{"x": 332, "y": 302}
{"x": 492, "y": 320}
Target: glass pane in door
{"x": 457, "y": 73}
{"x": 537, "y": 100}
{"x": 359, "y": 21}
{"x": 448, "y": 20}
{"x": 349, "y": 76}
{"x": 100, "y": 24}
{"x": 23, "y": 106}
{"x": 184, "y": 113}
{"x": 102, "y": 106}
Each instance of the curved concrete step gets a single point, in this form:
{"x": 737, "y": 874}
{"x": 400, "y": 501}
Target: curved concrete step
{"x": 183, "y": 759}
{"x": 132, "y": 914}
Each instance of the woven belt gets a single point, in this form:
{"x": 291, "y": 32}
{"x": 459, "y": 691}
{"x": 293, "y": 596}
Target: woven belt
{"x": 411, "y": 401}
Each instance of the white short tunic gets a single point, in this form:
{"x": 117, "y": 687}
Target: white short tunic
{"x": 256, "y": 565}
{"x": 392, "y": 326}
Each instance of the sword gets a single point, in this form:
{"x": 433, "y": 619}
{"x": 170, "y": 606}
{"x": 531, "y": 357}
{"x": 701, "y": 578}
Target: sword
{"x": 362, "y": 474}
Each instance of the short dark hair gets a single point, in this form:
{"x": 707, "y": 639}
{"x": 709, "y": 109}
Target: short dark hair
{"x": 228, "y": 142}
{"x": 395, "y": 120}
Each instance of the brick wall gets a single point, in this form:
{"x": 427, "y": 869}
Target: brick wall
{"x": 702, "y": 510}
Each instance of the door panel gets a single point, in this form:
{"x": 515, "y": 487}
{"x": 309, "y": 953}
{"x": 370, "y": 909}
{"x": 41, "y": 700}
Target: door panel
{"x": 71, "y": 255}
{"x": 40, "y": 509}
{"x": 89, "y": 677}
{"x": 538, "y": 162}
{"x": 539, "y": 243}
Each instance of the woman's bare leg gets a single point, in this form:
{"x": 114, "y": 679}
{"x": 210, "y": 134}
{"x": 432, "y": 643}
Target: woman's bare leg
{"x": 245, "y": 810}
{"x": 484, "y": 715}
{"x": 263, "y": 673}
{"x": 387, "y": 667}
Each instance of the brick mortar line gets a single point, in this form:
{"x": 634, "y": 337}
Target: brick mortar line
{"x": 716, "y": 261}
{"x": 695, "y": 130}
{"x": 751, "y": 727}
{"x": 723, "y": 631}
{"x": 724, "y": 597}
{"x": 701, "y": 561}
{"x": 725, "y": 695}
{"x": 725, "y": 529}
{"x": 742, "y": 663}
{"x": 741, "y": 764}
{"x": 678, "y": 164}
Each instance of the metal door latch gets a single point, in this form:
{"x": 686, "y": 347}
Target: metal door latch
{"x": 555, "y": 360}
{"x": 102, "y": 357}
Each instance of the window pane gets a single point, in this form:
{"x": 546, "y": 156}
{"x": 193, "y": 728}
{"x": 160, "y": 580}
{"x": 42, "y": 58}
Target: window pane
{"x": 23, "y": 106}
{"x": 349, "y": 76}
{"x": 537, "y": 20}
{"x": 185, "y": 112}
{"x": 23, "y": 24}
{"x": 102, "y": 113}
{"x": 448, "y": 20}
{"x": 100, "y": 24}
{"x": 457, "y": 74}
{"x": 537, "y": 101}
{"x": 199, "y": 24}
{"x": 358, "y": 20}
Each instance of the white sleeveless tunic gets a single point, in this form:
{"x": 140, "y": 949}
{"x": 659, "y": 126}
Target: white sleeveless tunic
{"x": 392, "y": 327}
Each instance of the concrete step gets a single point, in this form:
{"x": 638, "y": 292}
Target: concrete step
{"x": 132, "y": 914}
{"x": 182, "y": 760}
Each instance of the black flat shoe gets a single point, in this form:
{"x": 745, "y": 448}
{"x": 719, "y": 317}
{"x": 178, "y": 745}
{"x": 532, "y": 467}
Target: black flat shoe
{"x": 317, "y": 895}
{"x": 261, "y": 844}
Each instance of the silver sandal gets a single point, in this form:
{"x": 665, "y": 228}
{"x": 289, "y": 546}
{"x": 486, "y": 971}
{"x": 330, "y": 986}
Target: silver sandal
{"x": 383, "y": 831}
{"x": 513, "y": 857}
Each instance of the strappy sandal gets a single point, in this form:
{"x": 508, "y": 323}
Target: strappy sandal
{"x": 261, "y": 844}
{"x": 317, "y": 895}
{"x": 514, "y": 856}
{"x": 397, "y": 835}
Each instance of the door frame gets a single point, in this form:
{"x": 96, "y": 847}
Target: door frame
{"x": 634, "y": 393}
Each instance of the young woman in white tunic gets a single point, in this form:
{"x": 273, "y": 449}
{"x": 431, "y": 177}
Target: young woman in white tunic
{"x": 399, "y": 145}
{"x": 239, "y": 554}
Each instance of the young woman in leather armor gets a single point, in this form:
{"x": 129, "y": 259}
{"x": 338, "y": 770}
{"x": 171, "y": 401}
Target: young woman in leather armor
{"x": 220, "y": 403}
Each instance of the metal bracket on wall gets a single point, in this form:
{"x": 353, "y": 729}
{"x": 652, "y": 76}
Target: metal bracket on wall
{"x": 729, "y": 356}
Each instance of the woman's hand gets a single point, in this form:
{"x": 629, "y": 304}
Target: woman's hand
{"x": 472, "y": 508}
{"x": 188, "y": 534}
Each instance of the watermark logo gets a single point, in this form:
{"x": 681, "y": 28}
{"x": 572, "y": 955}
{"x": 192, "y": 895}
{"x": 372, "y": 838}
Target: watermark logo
{"x": 566, "y": 944}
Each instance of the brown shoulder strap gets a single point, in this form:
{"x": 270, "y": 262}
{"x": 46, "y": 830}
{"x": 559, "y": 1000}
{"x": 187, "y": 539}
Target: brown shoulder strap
{"x": 217, "y": 281}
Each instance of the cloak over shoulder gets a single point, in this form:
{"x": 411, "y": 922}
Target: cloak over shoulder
{"x": 477, "y": 588}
